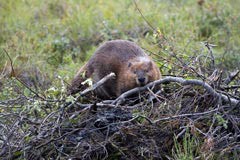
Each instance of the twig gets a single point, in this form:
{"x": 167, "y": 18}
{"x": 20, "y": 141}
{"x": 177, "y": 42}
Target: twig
{"x": 187, "y": 115}
{"x": 231, "y": 87}
{"x": 92, "y": 88}
{"x": 135, "y": 3}
{"x": 231, "y": 77}
{"x": 98, "y": 84}
{"x": 58, "y": 138}
{"x": 89, "y": 106}
{"x": 209, "y": 89}
{"x": 23, "y": 83}
{"x": 209, "y": 47}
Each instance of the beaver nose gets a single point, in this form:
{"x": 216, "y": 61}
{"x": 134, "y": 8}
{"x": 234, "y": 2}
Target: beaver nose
{"x": 141, "y": 80}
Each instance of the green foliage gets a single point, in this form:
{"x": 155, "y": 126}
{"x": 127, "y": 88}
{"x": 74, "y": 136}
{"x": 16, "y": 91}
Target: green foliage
{"x": 185, "y": 150}
{"x": 221, "y": 121}
{"x": 8, "y": 89}
{"x": 55, "y": 33}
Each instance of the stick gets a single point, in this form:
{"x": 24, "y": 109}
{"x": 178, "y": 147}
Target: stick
{"x": 98, "y": 84}
{"x": 22, "y": 82}
{"x": 95, "y": 86}
{"x": 182, "y": 81}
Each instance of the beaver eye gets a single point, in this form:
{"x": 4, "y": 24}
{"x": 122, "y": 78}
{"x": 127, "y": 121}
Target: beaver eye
{"x": 129, "y": 64}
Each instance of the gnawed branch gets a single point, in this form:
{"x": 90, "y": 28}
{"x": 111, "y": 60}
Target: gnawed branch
{"x": 93, "y": 87}
{"x": 98, "y": 84}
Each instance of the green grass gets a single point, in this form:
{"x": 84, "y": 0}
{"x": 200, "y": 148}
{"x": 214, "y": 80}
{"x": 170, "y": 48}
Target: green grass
{"x": 186, "y": 149}
{"x": 59, "y": 35}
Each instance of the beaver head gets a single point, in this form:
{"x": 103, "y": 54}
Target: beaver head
{"x": 141, "y": 70}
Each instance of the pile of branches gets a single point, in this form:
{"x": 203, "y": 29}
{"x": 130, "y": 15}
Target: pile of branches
{"x": 147, "y": 126}
{"x": 167, "y": 119}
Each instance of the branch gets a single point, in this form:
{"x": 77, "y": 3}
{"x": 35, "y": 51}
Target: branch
{"x": 95, "y": 86}
{"x": 149, "y": 24}
{"x": 182, "y": 81}
{"x": 22, "y": 82}
{"x": 209, "y": 47}
{"x": 231, "y": 77}
{"x": 198, "y": 114}
{"x": 187, "y": 115}
{"x": 98, "y": 84}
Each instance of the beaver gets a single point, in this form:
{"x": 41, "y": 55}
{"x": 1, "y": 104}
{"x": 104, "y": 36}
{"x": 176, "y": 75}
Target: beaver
{"x": 131, "y": 65}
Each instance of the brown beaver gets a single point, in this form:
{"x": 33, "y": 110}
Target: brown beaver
{"x": 128, "y": 61}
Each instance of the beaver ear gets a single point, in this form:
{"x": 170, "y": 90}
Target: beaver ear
{"x": 129, "y": 64}
{"x": 150, "y": 65}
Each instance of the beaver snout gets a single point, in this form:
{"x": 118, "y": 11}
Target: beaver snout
{"x": 142, "y": 81}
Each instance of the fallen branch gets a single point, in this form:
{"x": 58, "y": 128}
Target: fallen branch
{"x": 98, "y": 84}
{"x": 197, "y": 114}
{"x": 187, "y": 115}
{"x": 95, "y": 86}
{"x": 182, "y": 81}
{"x": 231, "y": 77}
